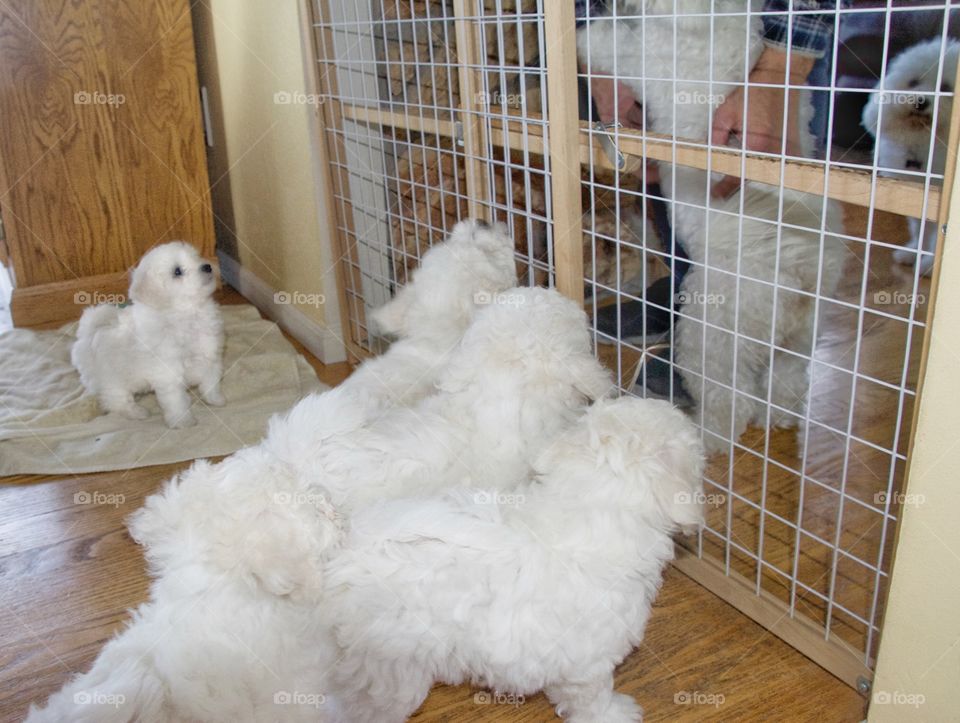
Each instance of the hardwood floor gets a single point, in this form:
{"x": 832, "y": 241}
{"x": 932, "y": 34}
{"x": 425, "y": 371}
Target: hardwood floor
{"x": 69, "y": 572}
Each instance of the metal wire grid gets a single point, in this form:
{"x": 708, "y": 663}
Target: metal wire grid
{"x": 524, "y": 203}
{"x": 811, "y": 524}
{"x": 399, "y": 149}
{"x": 765, "y": 529}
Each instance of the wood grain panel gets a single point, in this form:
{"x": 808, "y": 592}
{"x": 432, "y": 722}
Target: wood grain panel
{"x": 848, "y": 185}
{"x": 472, "y": 106}
{"x": 160, "y": 141}
{"x": 57, "y": 192}
{"x": 561, "y": 32}
{"x": 102, "y": 152}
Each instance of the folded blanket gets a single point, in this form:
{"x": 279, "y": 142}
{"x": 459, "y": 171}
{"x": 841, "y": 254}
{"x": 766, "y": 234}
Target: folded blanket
{"x": 50, "y": 425}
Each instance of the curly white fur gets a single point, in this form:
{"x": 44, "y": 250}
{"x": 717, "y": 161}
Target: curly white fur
{"x": 737, "y": 259}
{"x": 522, "y": 372}
{"x": 236, "y": 548}
{"x": 902, "y": 112}
{"x": 169, "y": 339}
{"x": 548, "y": 590}
{"x": 430, "y": 314}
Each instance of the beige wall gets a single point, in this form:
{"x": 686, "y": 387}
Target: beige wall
{"x": 918, "y": 671}
{"x": 265, "y": 192}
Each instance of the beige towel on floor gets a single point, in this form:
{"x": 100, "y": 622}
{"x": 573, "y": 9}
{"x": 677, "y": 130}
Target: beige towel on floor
{"x": 49, "y": 425}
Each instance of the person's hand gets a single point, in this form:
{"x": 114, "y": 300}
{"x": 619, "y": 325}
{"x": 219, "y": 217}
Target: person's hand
{"x": 765, "y": 107}
{"x": 616, "y": 102}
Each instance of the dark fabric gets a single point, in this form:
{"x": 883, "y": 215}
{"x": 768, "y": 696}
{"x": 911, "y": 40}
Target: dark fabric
{"x": 810, "y": 33}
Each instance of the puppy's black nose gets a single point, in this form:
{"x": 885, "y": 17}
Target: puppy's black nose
{"x": 207, "y": 269}
{"x": 482, "y": 224}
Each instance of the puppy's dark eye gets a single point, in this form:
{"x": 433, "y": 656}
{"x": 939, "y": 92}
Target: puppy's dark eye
{"x": 946, "y": 88}
{"x": 177, "y": 271}
{"x": 913, "y": 83}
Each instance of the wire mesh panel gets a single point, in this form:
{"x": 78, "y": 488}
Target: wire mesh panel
{"x": 761, "y": 185}
{"x": 434, "y": 113}
{"x": 788, "y": 323}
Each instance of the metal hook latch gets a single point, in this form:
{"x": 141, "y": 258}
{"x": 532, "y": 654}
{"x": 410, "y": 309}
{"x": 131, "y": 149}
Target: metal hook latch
{"x": 615, "y": 157}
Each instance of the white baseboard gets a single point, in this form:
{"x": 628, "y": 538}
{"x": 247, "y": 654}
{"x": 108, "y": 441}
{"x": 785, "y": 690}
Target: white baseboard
{"x": 322, "y": 342}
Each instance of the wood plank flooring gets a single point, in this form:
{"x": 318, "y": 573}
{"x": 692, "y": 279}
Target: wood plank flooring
{"x": 69, "y": 572}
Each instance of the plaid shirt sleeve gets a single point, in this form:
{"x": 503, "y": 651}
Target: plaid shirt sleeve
{"x": 808, "y": 33}
{"x": 587, "y": 10}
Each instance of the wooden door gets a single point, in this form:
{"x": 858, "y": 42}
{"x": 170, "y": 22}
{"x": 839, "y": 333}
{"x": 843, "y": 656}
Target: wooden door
{"x": 101, "y": 143}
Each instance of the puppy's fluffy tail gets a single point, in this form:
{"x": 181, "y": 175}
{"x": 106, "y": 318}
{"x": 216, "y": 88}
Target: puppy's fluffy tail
{"x": 122, "y": 686}
{"x": 96, "y": 317}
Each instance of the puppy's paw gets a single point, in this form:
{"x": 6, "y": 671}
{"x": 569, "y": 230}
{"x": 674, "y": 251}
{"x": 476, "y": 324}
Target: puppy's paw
{"x": 135, "y": 411}
{"x": 181, "y": 422}
{"x": 214, "y": 398}
{"x": 623, "y": 709}
{"x": 580, "y": 704}
{"x": 786, "y": 421}
{"x": 905, "y": 256}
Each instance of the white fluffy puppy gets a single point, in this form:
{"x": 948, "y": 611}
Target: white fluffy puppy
{"x": 748, "y": 301}
{"x": 169, "y": 339}
{"x": 549, "y": 591}
{"x": 523, "y": 371}
{"x": 429, "y": 315}
{"x": 212, "y": 646}
{"x": 902, "y": 112}
{"x": 206, "y": 647}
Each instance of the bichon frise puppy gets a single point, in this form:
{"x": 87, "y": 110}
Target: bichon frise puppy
{"x": 902, "y": 111}
{"x": 524, "y": 371}
{"x": 206, "y": 647}
{"x": 547, "y": 590}
{"x": 169, "y": 339}
{"x": 429, "y": 315}
{"x": 759, "y": 259}
{"x": 212, "y": 646}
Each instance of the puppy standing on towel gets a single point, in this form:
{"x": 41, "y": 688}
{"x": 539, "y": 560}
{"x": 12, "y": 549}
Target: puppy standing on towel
{"x": 906, "y": 128}
{"x": 549, "y": 592}
{"x": 169, "y": 339}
